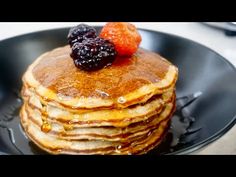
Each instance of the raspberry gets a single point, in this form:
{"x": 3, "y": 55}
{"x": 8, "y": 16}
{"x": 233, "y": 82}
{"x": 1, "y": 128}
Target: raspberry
{"x": 93, "y": 54}
{"x": 80, "y": 33}
{"x": 124, "y": 36}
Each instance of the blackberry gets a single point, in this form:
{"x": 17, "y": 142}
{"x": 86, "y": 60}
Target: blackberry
{"x": 80, "y": 33}
{"x": 93, "y": 54}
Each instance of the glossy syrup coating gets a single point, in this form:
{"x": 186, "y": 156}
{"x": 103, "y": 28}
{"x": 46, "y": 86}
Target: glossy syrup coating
{"x": 57, "y": 72}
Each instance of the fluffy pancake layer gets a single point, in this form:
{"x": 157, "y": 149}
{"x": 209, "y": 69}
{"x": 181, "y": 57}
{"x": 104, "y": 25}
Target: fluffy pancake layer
{"x": 123, "y": 109}
{"x": 74, "y": 131}
{"x": 54, "y": 144}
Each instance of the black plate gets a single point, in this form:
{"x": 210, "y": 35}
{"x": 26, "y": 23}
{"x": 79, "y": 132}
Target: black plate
{"x": 206, "y": 89}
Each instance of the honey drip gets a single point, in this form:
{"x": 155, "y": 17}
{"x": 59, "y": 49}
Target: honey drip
{"x": 46, "y": 127}
{"x": 68, "y": 127}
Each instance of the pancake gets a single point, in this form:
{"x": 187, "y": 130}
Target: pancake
{"x": 59, "y": 146}
{"x": 125, "y": 108}
{"x": 39, "y": 102}
{"x": 128, "y": 81}
{"x": 114, "y": 117}
{"x": 103, "y": 133}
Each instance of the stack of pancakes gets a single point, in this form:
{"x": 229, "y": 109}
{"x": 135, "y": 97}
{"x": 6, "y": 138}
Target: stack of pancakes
{"x": 122, "y": 109}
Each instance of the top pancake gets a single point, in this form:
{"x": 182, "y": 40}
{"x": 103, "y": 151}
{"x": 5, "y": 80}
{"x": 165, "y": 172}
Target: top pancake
{"x": 54, "y": 77}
